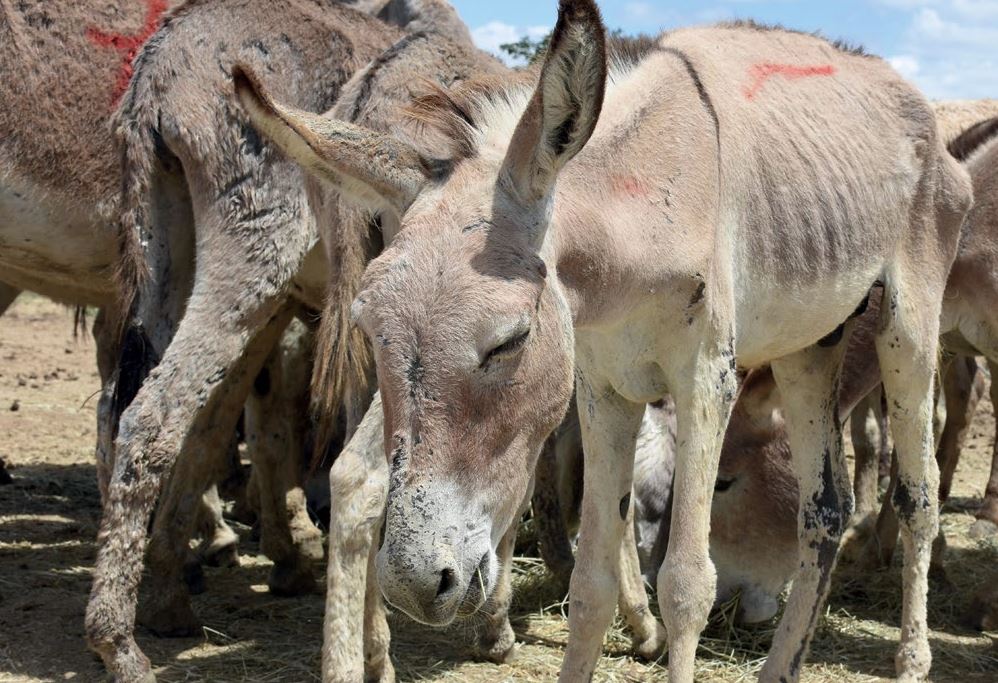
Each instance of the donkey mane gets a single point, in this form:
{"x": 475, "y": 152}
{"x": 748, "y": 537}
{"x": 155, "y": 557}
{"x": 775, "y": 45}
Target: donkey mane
{"x": 964, "y": 145}
{"x": 838, "y": 44}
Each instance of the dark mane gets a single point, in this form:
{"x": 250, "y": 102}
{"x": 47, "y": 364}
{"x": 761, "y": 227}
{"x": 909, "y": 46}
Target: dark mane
{"x": 840, "y": 45}
{"x": 972, "y": 139}
{"x": 630, "y": 49}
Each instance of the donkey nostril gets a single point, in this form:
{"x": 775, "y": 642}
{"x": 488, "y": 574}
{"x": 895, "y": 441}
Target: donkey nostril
{"x": 447, "y": 581}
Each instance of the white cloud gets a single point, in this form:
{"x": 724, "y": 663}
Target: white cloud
{"x": 948, "y": 47}
{"x": 906, "y": 65}
{"x": 496, "y": 33}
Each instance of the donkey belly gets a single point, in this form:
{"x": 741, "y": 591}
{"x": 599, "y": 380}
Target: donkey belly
{"x": 55, "y": 249}
{"x": 777, "y": 319}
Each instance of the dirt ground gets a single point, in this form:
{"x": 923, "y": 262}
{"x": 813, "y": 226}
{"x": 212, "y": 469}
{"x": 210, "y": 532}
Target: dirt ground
{"x": 49, "y": 517}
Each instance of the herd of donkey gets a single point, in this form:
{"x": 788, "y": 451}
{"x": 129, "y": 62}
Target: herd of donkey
{"x": 694, "y": 254}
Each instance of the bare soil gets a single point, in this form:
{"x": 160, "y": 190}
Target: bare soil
{"x": 49, "y": 517}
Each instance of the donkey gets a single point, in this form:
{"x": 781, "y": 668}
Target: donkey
{"x": 185, "y": 135}
{"x": 60, "y": 178}
{"x": 716, "y": 218}
{"x": 753, "y": 535}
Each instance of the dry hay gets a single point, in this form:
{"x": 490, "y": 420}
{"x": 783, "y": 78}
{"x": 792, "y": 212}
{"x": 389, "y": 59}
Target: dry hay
{"x": 49, "y": 516}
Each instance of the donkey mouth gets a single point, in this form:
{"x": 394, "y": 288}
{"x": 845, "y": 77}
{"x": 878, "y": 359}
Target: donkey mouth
{"x": 478, "y": 590}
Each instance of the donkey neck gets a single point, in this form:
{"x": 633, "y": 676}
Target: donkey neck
{"x": 634, "y": 214}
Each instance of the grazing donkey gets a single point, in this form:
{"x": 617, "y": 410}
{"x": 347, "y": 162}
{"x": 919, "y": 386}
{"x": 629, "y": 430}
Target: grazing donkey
{"x": 716, "y": 218}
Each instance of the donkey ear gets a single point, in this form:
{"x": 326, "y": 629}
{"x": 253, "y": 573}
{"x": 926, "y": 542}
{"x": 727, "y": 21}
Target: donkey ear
{"x": 564, "y": 109}
{"x": 373, "y": 169}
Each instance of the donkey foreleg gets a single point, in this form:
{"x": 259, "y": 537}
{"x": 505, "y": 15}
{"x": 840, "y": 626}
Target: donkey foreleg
{"x": 358, "y": 483}
{"x": 808, "y": 382}
{"x": 495, "y": 638}
{"x": 610, "y": 426}
{"x": 648, "y": 636}
{"x": 987, "y": 515}
{"x": 704, "y": 389}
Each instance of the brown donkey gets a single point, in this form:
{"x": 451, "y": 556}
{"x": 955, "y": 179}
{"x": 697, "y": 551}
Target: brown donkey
{"x": 716, "y": 218}
{"x": 202, "y": 188}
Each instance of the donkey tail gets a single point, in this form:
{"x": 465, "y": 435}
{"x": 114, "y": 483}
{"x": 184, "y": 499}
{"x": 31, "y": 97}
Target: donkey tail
{"x": 343, "y": 376}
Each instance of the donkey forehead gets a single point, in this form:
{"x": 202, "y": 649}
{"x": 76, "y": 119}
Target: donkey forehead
{"x": 435, "y": 274}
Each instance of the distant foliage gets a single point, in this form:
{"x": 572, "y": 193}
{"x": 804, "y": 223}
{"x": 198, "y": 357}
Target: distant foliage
{"x": 527, "y": 49}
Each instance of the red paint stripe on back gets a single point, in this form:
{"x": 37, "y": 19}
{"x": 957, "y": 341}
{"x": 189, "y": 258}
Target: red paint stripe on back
{"x": 762, "y": 72}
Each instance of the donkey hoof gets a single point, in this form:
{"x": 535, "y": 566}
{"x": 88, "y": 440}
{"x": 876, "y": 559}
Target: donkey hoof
{"x": 380, "y": 672}
{"x": 309, "y": 544}
{"x": 983, "y": 528}
{"x": 194, "y": 578}
{"x": 498, "y": 648}
{"x": 288, "y": 579}
{"x": 652, "y": 648}
{"x": 223, "y": 552}
{"x": 172, "y": 620}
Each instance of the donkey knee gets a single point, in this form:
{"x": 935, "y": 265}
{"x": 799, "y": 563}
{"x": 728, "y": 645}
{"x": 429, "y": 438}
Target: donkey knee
{"x": 687, "y": 588}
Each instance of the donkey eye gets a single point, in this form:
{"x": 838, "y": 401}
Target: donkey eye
{"x": 722, "y": 485}
{"x": 507, "y": 348}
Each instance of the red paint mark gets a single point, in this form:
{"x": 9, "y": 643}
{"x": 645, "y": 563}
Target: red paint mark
{"x": 628, "y": 186}
{"x": 128, "y": 46}
{"x": 761, "y": 73}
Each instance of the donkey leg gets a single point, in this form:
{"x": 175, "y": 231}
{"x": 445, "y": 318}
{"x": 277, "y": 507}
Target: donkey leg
{"x": 549, "y": 520}
{"x": 358, "y": 483}
{"x": 378, "y": 666}
{"x": 610, "y": 426}
{"x": 495, "y": 638}
{"x": 808, "y": 381}
{"x": 106, "y": 340}
{"x": 987, "y": 516}
{"x": 648, "y": 636}
{"x": 219, "y": 543}
{"x": 166, "y": 608}
{"x": 906, "y": 346}
{"x": 959, "y": 382}
{"x": 687, "y": 580}
{"x": 273, "y": 438}
{"x": 864, "y": 429}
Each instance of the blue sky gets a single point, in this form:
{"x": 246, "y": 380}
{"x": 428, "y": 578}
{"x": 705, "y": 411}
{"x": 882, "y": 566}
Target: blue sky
{"x": 947, "y": 47}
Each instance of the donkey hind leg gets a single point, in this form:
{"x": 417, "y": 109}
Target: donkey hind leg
{"x": 704, "y": 392}
{"x": 962, "y": 382}
{"x": 808, "y": 382}
{"x": 166, "y": 609}
{"x": 495, "y": 638}
{"x": 648, "y": 636}
{"x": 906, "y": 346}
{"x": 865, "y": 429}
{"x": 987, "y": 516}
{"x": 552, "y": 534}
{"x": 273, "y": 437}
{"x": 355, "y": 634}
{"x": 149, "y": 439}
{"x": 610, "y": 426}
{"x": 219, "y": 545}
{"x": 105, "y": 338}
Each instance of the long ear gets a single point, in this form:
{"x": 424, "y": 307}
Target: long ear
{"x": 564, "y": 109}
{"x": 371, "y": 168}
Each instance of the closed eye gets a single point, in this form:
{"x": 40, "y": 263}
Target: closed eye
{"x": 722, "y": 485}
{"x": 507, "y": 348}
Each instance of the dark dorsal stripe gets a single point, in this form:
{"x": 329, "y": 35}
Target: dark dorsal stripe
{"x": 389, "y": 55}
{"x": 972, "y": 139}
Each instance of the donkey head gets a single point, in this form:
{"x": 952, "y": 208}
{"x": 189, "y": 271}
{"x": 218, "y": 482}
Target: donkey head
{"x": 471, "y": 330}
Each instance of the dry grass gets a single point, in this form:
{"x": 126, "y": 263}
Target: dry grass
{"x": 48, "y": 519}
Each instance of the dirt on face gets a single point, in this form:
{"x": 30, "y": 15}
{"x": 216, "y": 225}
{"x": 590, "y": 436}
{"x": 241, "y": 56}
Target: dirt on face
{"x": 50, "y": 512}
